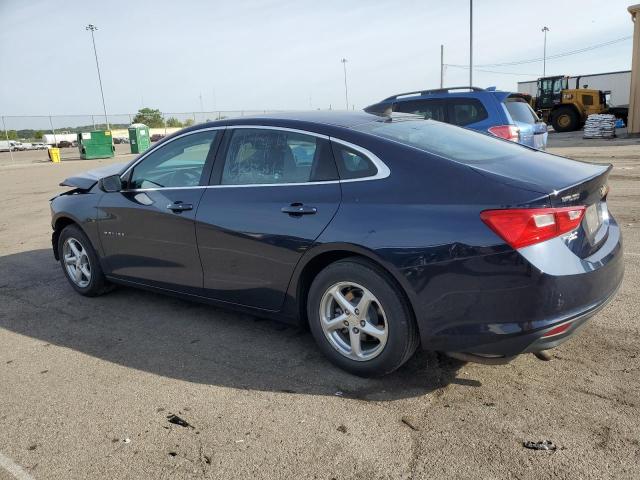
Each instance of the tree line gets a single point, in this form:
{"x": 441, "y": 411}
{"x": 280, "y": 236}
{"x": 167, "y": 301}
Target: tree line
{"x": 151, "y": 117}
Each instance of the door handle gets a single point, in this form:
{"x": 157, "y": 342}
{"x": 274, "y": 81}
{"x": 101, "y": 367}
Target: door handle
{"x": 296, "y": 209}
{"x": 178, "y": 207}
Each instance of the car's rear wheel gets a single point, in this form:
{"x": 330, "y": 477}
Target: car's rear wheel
{"x": 360, "y": 318}
{"x": 80, "y": 262}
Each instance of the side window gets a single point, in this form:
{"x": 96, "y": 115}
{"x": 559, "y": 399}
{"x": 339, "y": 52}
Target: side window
{"x": 466, "y": 111}
{"x": 178, "y": 163}
{"x": 352, "y": 164}
{"x": 258, "y": 156}
{"x": 429, "y": 109}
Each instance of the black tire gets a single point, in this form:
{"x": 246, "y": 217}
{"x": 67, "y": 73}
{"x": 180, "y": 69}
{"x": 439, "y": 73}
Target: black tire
{"x": 402, "y": 335}
{"x": 97, "y": 284}
{"x": 565, "y": 119}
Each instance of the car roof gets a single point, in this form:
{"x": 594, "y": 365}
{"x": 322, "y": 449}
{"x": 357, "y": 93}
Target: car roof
{"x": 450, "y": 92}
{"x": 334, "y": 118}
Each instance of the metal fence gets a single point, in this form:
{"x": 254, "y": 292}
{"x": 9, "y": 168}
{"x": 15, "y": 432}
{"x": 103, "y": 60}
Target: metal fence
{"x": 60, "y": 128}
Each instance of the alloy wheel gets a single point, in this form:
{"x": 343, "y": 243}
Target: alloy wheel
{"x": 353, "y": 321}
{"x": 76, "y": 261}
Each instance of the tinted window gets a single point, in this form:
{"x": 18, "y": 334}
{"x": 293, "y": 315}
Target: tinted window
{"x": 520, "y": 110}
{"x": 429, "y": 109}
{"x": 442, "y": 139}
{"x": 352, "y": 164}
{"x": 466, "y": 111}
{"x": 260, "y": 156}
{"x": 178, "y": 163}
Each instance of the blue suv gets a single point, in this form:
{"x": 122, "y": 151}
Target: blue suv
{"x": 504, "y": 114}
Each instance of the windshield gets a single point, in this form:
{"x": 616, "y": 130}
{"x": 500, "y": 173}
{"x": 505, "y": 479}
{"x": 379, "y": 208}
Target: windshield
{"x": 455, "y": 143}
{"x": 520, "y": 110}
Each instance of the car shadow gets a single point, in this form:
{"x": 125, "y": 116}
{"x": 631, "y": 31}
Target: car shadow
{"x": 190, "y": 341}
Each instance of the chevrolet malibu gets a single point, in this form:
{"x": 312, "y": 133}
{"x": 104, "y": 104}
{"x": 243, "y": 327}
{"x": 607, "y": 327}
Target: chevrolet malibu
{"x": 381, "y": 233}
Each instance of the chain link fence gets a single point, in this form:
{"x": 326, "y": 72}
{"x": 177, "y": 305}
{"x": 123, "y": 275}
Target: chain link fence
{"x": 22, "y": 132}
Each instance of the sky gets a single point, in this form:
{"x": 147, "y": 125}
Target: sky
{"x": 285, "y": 55}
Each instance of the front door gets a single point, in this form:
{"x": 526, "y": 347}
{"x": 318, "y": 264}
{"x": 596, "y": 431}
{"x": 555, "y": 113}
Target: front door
{"x": 148, "y": 230}
{"x": 273, "y": 192}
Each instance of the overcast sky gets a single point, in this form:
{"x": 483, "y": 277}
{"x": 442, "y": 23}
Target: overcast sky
{"x": 268, "y": 54}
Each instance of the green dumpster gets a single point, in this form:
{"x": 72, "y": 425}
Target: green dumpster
{"x": 139, "y": 137}
{"x": 95, "y": 144}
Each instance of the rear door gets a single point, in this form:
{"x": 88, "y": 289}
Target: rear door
{"x": 147, "y": 230}
{"x": 273, "y": 191}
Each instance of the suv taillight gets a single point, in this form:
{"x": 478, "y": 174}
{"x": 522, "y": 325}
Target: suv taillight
{"x": 520, "y": 227}
{"x": 508, "y": 132}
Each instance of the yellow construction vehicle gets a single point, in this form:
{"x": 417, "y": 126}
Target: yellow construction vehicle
{"x": 566, "y": 108}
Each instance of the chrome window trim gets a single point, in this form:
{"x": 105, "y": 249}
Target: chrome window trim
{"x": 156, "y": 147}
{"x": 382, "y": 170}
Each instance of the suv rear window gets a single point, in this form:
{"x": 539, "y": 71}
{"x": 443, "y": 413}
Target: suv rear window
{"x": 429, "y": 109}
{"x": 464, "y": 111}
{"x": 520, "y": 110}
{"x": 462, "y": 145}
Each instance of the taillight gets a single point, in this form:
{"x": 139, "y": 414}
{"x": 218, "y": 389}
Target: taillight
{"x": 520, "y": 227}
{"x": 508, "y": 132}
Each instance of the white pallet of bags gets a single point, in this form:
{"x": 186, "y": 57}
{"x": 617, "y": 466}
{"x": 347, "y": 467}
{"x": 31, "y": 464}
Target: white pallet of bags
{"x": 600, "y": 125}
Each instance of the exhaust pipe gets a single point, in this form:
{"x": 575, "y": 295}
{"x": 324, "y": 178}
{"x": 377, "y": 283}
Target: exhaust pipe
{"x": 543, "y": 355}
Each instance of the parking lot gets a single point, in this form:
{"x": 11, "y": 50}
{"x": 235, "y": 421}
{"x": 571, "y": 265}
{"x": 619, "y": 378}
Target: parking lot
{"x": 90, "y": 386}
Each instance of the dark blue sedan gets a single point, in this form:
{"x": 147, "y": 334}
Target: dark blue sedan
{"x": 380, "y": 233}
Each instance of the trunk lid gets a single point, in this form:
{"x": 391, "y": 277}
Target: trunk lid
{"x": 563, "y": 183}
{"x": 539, "y": 171}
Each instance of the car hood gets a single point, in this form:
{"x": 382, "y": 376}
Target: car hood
{"x": 86, "y": 180}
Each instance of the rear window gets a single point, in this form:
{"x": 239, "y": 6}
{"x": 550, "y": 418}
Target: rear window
{"x": 429, "y": 109}
{"x": 352, "y": 164}
{"x": 520, "y": 110}
{"x": 465, "y": 111}
{"x": 459, "y": 144}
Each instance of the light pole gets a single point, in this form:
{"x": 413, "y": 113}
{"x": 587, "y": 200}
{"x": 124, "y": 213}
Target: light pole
{"x": 92, "y": 28}
{"x": 471, "y": 43}
{"x": 346, "y": 93}
{"x": 544, "y": 55}
{"x": 441, "y": 66}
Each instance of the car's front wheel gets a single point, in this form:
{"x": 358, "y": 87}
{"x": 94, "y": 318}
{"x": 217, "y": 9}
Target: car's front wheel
{"x": 360, "y": 318}
{"x": 80, "y": 262}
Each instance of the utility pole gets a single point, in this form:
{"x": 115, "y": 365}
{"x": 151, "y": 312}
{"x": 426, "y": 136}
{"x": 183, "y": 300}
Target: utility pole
{"x": 544, "y": 55}
{"x": 6, "y": 134}
{"x": 346, "y": 93}
{"x": 92, "y": 28}
{"x": 53, "y": 130}
{"x": 471, "y": 43}
{"x": 441, "y": 66}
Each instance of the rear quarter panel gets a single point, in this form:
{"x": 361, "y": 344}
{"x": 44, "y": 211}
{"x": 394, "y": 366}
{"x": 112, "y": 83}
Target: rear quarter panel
{"x": 423, "y": 225}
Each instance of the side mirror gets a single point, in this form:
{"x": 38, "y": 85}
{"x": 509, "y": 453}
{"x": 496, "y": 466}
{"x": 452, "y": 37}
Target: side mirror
{"x": 110, "y": 184}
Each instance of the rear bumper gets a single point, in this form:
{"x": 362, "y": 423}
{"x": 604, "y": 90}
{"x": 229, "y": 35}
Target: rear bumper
{"x": 539, "y": 340}
{"x": 503, "y": 305}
